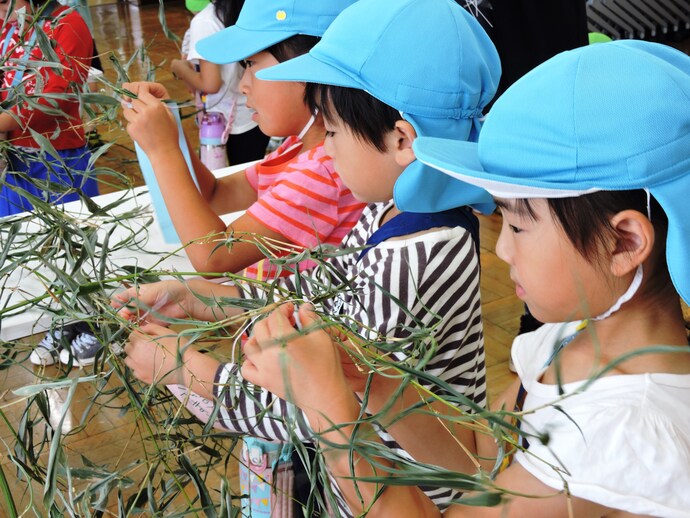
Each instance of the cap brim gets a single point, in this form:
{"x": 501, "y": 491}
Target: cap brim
{"x": 308, "y": 69}
{"x": 460, "y": 160}
{"x": 234, "y": 44}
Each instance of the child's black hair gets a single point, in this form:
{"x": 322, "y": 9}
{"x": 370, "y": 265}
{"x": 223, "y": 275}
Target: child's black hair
{"x": 292, "y": 47}
{"x": 228, "y": 11}
{"x": 368, "y": 118}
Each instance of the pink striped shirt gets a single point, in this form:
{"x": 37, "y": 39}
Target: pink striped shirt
{"x": 301, "y": 197}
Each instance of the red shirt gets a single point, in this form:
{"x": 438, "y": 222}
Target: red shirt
{"x": 73, "y": 45}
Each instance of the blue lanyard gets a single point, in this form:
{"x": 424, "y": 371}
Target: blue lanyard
{"x": 6, "y": 43}
{"x": 19, "y": 72}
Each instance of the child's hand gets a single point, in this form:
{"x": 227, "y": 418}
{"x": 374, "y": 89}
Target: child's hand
{"x": 149, "y": 121}
{"x": 149, "y": 302}
{"x": 305, "y": 370}
{"x": 155, "y": 89}
{"x": 152, "y": 354}
{"x": 356, "y": 373}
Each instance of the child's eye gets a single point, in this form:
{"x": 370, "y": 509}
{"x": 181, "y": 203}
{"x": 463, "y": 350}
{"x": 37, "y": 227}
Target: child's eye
{"x": 514, "y": 229}
{"x": 329, "y": 134}
{"x": 245, "y": 63}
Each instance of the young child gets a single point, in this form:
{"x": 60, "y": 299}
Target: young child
{"x": 47, "y": 177}
{"x": 194, "y": 7}
{"x": 409, "y": 279}
{"x": 219, "y": 84}
{"x": 294, "y": 196}
{"x": 588, "y": 156}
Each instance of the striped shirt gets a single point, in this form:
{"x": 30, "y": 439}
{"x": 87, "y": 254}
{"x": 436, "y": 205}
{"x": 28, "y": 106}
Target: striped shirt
{"x": 300, "y": 196}
{"x": 427, "y": 281}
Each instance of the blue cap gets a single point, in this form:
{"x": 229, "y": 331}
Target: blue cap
{"x": 611, "y": 116}
{"x": 263, "y": 23}
{"x": 429, "y": 59}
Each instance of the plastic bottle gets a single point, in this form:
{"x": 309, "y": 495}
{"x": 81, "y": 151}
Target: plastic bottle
{"x": 212, "y": 151}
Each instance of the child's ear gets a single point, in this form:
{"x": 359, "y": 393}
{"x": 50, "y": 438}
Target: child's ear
{"x": 404, "y": 134}
{"x": 634, "y": 241}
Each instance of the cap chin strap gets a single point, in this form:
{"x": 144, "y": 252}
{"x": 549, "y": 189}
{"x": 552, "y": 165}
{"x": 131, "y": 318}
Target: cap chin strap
{"x": 308, "y": 126}
{"x": 632, "y": 289}
{"x": 302, "y": 133}
{"x": 637, "y": 280}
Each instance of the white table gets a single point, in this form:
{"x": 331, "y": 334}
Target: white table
{"x": 25, "y": 283}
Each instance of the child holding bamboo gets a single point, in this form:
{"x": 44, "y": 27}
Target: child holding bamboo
{"x": 397, "y": 273}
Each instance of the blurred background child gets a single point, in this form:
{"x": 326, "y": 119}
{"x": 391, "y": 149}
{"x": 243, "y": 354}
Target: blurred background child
{"x": 64, "y": 177}
{"x": 217, "y": 85}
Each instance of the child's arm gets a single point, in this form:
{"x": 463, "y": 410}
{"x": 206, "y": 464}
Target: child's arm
{"x": 430, "y": 435}
{"x": 8, "y": 123}
{"x": 163, "y": 300}
{"x": 527, "y": 496}
{"x": 154, "y": 129}
{"x": 193, "y": 212}
{"x": 208, "y": 79}
{"x": 304, "y": 370}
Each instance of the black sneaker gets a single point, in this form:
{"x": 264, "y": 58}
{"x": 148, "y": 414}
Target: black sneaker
{"x": 48, "y": 349}
{"x": 83, "y": 348}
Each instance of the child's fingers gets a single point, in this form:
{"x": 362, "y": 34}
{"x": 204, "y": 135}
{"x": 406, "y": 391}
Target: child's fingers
{"x": 250, "y": 373}
{"x": 274, "y": 326}
{"x": 143, "y": 88}
{"x": 132, "y": 87}
{"x": 137, "y": 339}
{"x": 251, "y": 365}
{"x": 281, "y": 322}
{"x": 120, "y": 298}
{"x": 286, "y": 309}
{"x": 251, "y": 347}
{"x": 308, "y": 316}
{"x": 153, "y": 330}
{"x": 128, "y": 111}
{"x": 125, "y": 302}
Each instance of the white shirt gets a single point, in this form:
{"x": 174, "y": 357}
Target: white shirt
{"x": 623, "y": 442}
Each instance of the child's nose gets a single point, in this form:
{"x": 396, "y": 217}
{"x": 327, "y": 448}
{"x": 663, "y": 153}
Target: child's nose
{"x": 503, "y": 246}
{"x": 244, "y": 82}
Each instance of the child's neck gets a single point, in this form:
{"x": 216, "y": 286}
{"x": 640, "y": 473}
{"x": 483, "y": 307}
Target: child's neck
{"x": 315, "y": 135}
{"x": 634, "y": 327}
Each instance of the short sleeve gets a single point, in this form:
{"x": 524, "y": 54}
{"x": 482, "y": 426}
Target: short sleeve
{"x": 252, "y": 175}
{"x": 302, "y": 204}
{"x": 615, "y": 452}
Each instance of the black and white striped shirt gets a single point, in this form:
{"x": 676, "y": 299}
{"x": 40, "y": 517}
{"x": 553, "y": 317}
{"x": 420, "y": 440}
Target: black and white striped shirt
{"x": 429, "y": 280}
